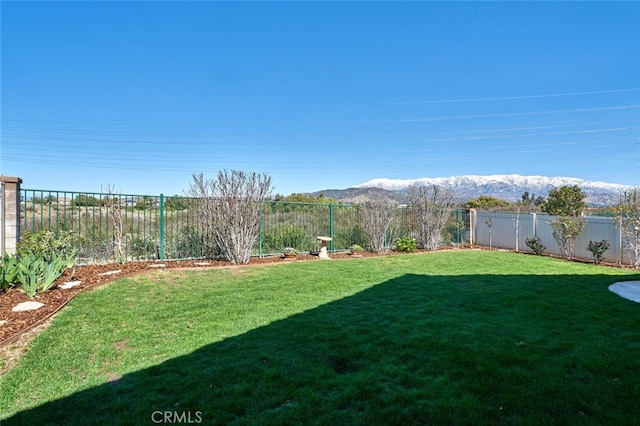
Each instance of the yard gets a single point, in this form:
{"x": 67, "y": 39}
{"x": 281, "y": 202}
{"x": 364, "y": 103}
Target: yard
{"x": 447, "y": 337}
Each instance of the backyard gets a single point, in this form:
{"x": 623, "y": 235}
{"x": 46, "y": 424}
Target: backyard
{"x": 446, "y": 337}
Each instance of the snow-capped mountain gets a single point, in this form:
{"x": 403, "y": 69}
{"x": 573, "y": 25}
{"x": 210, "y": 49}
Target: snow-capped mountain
{"x": 507, "y": 187}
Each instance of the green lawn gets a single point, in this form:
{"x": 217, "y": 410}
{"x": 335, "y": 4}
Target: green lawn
{"x": 459, "y": 337}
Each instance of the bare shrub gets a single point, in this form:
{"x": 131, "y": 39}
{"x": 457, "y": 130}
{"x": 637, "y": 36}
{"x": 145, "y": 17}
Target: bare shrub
{"x": 378, "y": 218}
{"x": 229, "y": 208}
{"x": 113, "y": 205}
{"x": 433, "y": 205}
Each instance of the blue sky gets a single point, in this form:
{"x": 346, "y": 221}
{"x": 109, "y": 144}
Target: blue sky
{"x": 319, "y": 95}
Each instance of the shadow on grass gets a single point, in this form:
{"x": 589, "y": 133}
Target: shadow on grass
{"x": 412, "y": 350}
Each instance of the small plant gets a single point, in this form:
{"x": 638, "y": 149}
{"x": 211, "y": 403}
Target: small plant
{"x": 35, "y": 274}
{"x": 406, "y": 245}
{"x": 535, "y": 244}
{"x": 355, "y": 248}
{"x": 489, "y": 222}
{"x": 598, "y": 248}
{"x": 29, "y": 273}
{"x": 8, "y": 271}
{"x": 290, "y": 251}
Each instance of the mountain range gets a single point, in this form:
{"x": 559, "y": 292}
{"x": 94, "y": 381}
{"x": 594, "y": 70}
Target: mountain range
{"x": 505, "y": 187}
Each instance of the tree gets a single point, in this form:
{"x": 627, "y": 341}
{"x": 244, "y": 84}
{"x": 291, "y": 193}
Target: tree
{"x": 567, "y": 203}
{"x": 486, "y": 202}
{"x": 83, "y": 200}
{"x": 627, "y": 219}
{"x": 145, "y": 203}
{"x": 433, "y": 206}
{"x": 229, "y": 208}
{"x": 530, "y": 202}
{"x": 176, "y": 203}
{"x": 377, "y": 218}
{"x": 566, "y": 230}
{"x": 489, "y": 222}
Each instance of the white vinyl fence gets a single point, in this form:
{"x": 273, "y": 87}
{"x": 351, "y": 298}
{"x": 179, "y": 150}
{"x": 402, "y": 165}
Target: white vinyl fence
{"x": 506, "y": 226}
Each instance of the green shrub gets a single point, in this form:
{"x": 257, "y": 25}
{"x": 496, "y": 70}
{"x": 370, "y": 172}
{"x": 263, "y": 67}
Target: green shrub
{"x": 355, "y": 248}
{"x": 286, "y": 236}
{"x": 598, "y": 248}
{"x": 42, "y": 257}
{"x": 347, "y": 234}
{"x": 47, "y": 244}
{"x": 535, "y": 244}
{"x": 142, "y": 247}
{"x": 8, "y": 271}
{"x": 406, "y": 245}
{"x": 83, "y": 200}
{"x": 191, "y": 242}
{"x": 37, "y": 274}
{"x": 29, "y": 272}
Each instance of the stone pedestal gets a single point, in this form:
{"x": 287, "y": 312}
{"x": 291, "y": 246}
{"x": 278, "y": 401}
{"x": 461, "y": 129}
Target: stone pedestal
{"x": 323, "y": 249}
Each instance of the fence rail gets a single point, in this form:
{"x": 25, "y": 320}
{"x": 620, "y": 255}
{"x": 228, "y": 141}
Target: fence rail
{"x": 161, "y": 227}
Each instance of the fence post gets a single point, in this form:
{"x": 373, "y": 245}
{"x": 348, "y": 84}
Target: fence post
{"x": 472, "y": 226}
{"x": 533, "y": 224}
{"x": 10, "y": 213}
{"x": 2, "y": 218}
{"x": 620, "y": 236}
{"x": 331, "y": 226}
{"x": 161, "y": 227}
{"x": 260, "y": 233}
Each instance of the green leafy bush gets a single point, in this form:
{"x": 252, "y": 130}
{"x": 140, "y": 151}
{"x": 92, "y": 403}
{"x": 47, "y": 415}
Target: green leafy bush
{"x": 83, "y": 200}
{"x": 35, "y": 274}
{"x": 406, "y": 245}
{"x": 535, "y": 244}
{"x": 598, "y": 248}
{"x": 41, "y": 258}
{"x": 8, "y": 271}
{"x": 355, "y": 248}
{"x": 29, "y": 273}
{"x": 286, "y": 236}
{"x": 191, "y": 242}
{"x": 143, "y": 247}
{"x": 47, "y": 244}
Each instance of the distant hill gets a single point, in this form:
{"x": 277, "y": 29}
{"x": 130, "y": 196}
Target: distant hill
{"x": 464, "y": 188}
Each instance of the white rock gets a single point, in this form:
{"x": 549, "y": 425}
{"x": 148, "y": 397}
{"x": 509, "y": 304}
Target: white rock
{"x": 3, "y": 322}
{"x": 27, "y": 306}
{"x": 202, "y": 263}
{"x": 110, "y": 272}
{"x": 70, "y": 284}
{"x": 157, "y": 265}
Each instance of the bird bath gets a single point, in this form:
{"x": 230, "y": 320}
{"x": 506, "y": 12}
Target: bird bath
{"x": 323, "y": 247}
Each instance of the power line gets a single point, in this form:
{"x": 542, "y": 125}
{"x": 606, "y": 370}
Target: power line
{"x": 507, "y": 98}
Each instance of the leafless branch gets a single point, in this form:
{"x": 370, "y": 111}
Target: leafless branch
{"x": 229, "y": 209}
{"x": 433, "y": 205}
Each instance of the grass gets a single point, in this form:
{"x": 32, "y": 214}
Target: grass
{"x": 457, "y": 337}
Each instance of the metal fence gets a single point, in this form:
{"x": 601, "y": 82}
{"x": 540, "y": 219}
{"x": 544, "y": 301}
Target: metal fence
{"x": 161, "y": 227}
{"x": 510, "y": 231}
